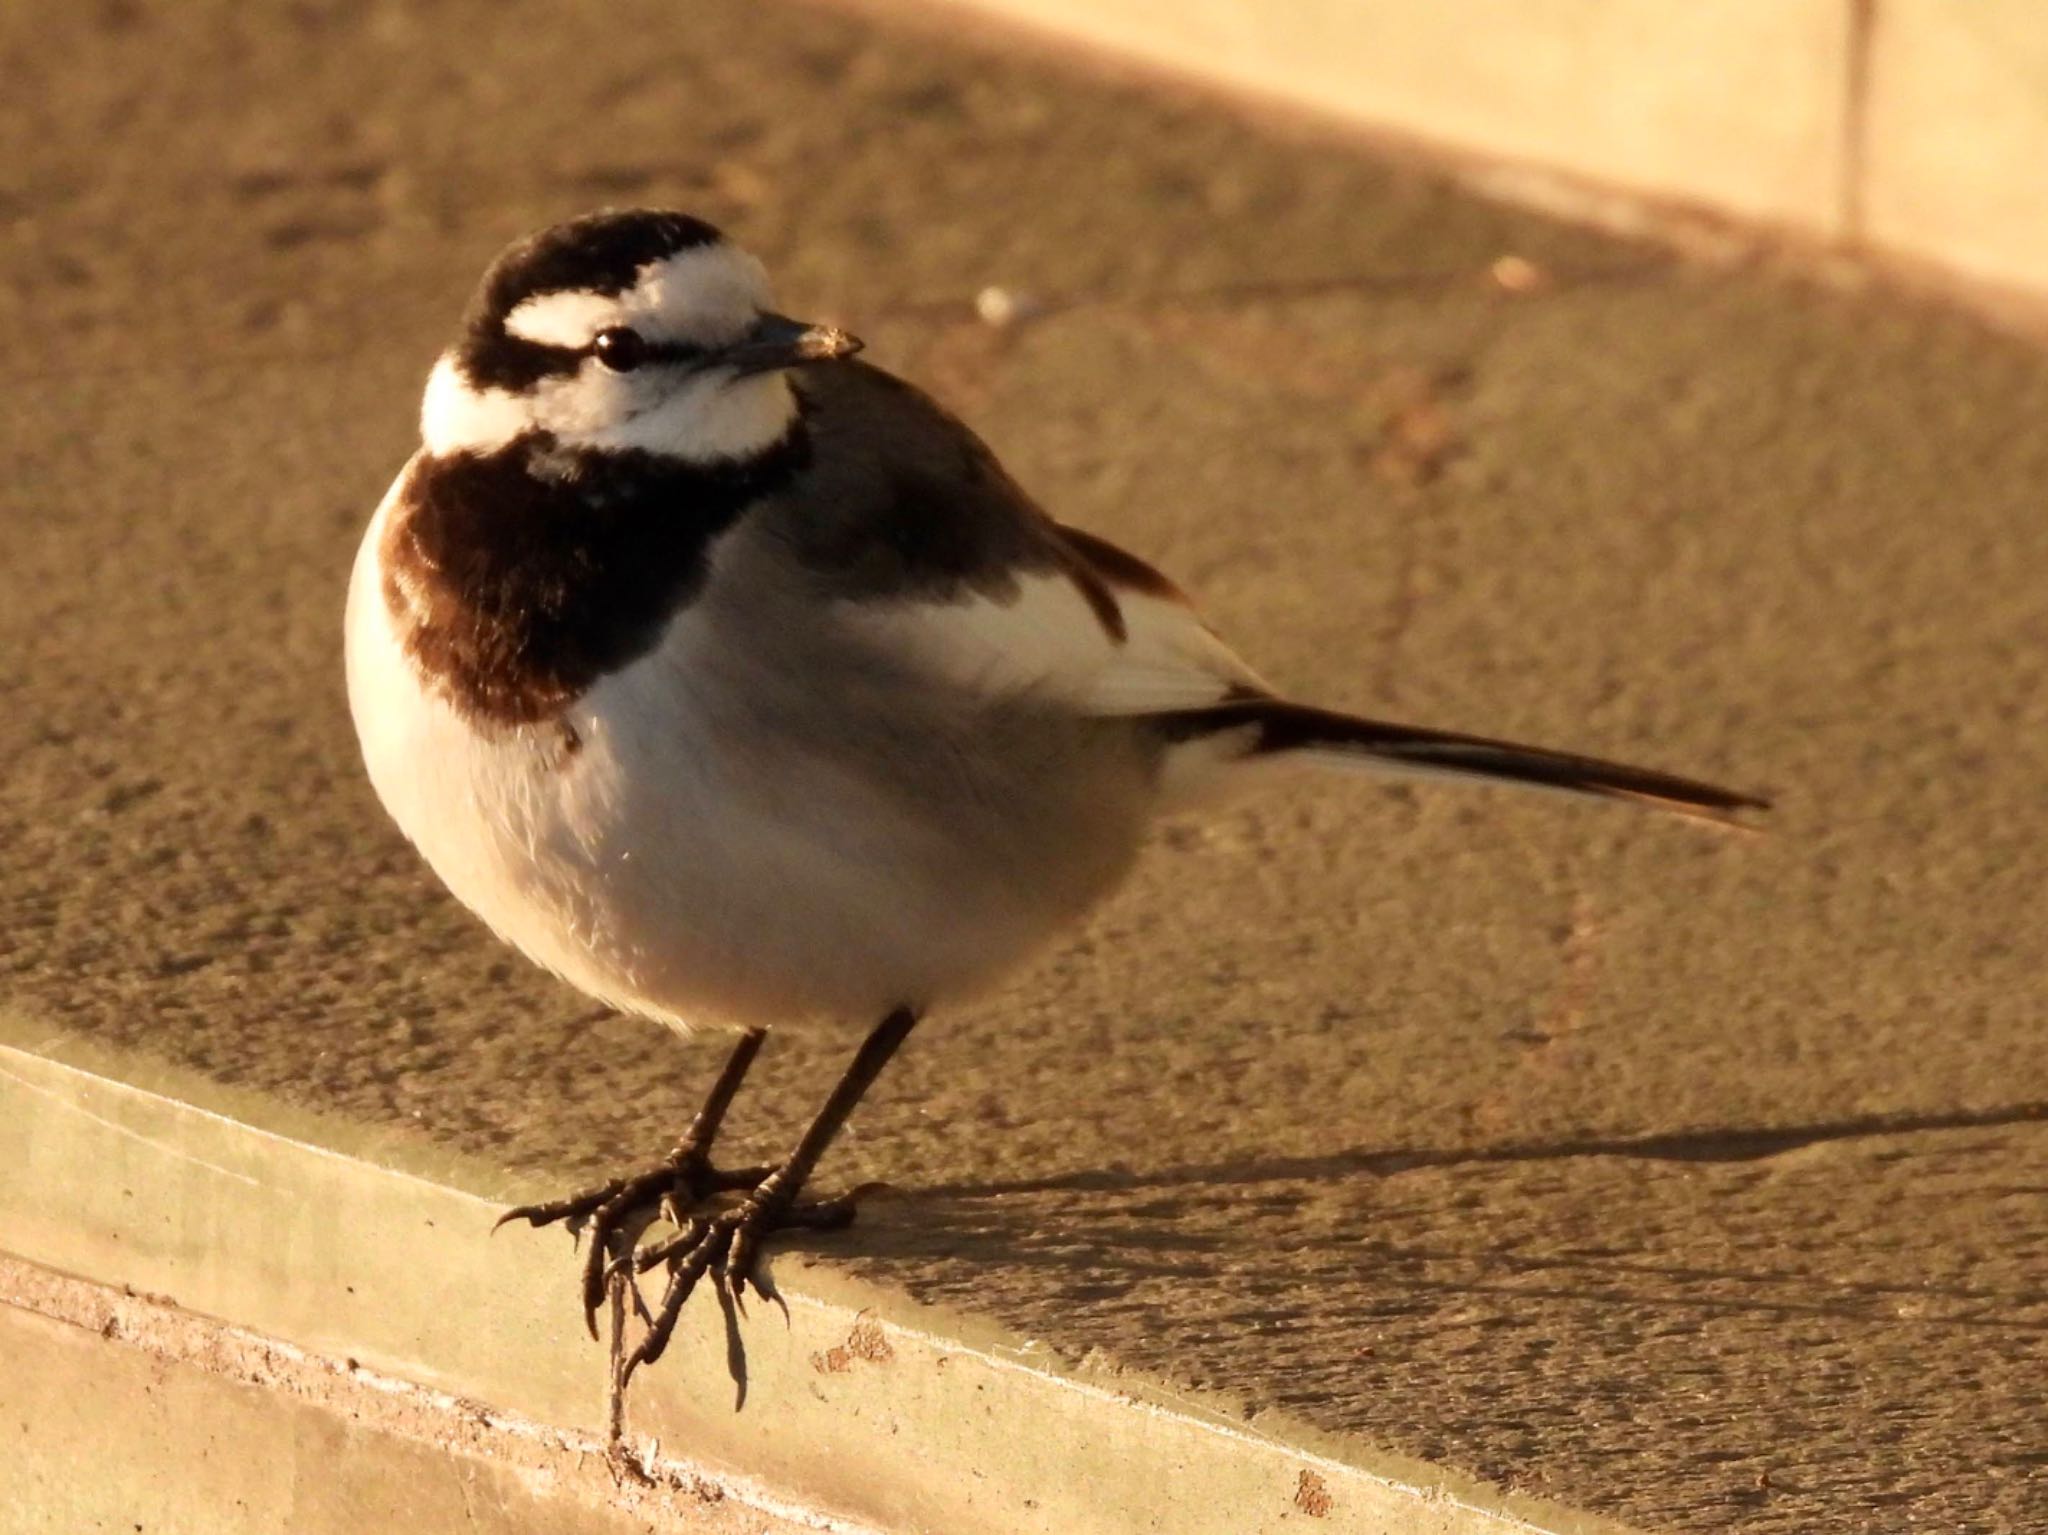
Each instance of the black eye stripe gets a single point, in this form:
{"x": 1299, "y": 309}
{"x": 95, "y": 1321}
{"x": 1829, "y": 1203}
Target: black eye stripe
{"x": 500, "y": 361}
{"x": 511, "y": 362}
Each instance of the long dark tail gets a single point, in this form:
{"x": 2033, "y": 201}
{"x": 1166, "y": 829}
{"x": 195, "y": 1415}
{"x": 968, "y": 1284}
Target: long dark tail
{"x": 1273, "y": 727}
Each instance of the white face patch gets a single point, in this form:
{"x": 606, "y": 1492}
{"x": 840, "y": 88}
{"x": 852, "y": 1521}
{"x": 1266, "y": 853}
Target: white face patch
{"x": 712, "y": 416}
{"x": 457, "y": 417}
{"x": 702, "y": 419}
{"x": 565, "y": 319}
{"x": 707, "y": 296}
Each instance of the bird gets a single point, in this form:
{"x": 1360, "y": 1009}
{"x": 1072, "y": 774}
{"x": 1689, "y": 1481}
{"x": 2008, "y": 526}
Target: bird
{"x": 733, "y": 680}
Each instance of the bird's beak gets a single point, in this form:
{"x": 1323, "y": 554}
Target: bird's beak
{"x": 779, "y": 342}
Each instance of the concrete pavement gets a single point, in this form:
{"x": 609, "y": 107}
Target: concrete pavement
{"x": 1692, "y": 1180}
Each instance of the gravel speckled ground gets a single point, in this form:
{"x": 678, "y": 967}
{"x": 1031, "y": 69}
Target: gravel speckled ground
{"x": 1693, "y": 1179}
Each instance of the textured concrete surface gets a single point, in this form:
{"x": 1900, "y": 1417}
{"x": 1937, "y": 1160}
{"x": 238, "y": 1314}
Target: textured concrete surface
{"x": 1690, "y": 1179}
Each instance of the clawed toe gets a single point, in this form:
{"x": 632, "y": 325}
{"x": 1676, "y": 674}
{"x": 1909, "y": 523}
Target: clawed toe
{"x": 615, "y": 1213}
{"x": 727, "y": 1247}
{"x": 574, "y": 1209}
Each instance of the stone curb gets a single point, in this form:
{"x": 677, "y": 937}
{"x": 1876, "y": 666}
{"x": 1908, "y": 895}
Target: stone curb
{"x": 859, "y": 1406}
{"x": 1905, "y": 128}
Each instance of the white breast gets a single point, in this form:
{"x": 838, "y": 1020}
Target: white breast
{"x": 491, "y": 810}
{"x": 734, "y": 838}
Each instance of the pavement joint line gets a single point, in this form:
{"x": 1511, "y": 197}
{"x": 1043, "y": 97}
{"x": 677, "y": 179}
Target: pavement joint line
{"x": 121, "y": 1129}
{"x": 161, "y": 1328}
{"x": 213, "y": 1116}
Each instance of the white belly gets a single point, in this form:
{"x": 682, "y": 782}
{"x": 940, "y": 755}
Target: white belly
{"x": 708, "y": 854}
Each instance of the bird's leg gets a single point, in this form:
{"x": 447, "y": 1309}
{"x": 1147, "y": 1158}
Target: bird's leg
{"x": 772, "y": 1204}
{"x": 680, "y": 1181}
{"x": 729, "y": 1242}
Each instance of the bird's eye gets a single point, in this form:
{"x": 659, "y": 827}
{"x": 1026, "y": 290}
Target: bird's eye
{"x": 620, "y": 348}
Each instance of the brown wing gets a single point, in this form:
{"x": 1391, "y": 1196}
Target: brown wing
{"x": 1118, "y": 568}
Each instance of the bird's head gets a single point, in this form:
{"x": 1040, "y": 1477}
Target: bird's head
{"x": 624, "y": 330}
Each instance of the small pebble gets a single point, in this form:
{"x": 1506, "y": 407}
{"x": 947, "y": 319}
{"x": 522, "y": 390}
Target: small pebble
{"x": 1003, "y": 307}
{"x": 1518, "y": 274}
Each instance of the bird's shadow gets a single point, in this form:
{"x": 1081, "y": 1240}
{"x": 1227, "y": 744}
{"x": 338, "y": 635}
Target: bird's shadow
{"x": 1101, "y": 1233}
{"x": 1119, "y": 1226}
{"x": 1735, "y": 1144}
{"x": 951, "y": 1243}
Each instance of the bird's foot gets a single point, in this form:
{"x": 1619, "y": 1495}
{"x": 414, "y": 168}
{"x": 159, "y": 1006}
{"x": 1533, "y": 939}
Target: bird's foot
{"x": 616, "y": 1212}
{"x": 727, "y": 1246}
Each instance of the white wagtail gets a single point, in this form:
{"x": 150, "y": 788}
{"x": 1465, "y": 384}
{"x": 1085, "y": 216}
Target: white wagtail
{"x": 733, "y": 680}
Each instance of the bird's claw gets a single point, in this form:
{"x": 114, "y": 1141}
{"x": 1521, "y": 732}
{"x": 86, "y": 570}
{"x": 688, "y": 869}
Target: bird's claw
{"x": 724, "y": 1243}
{"x": 727, "y": 1247}
{"x": 615, "y": 1212}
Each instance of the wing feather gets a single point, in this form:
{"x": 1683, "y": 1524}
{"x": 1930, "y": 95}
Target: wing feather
{"x": 1094, "y": 628}
{"x": 946, "y": 564}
